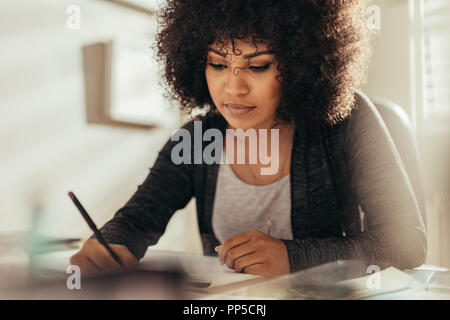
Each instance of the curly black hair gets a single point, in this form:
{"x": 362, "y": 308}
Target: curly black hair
{"x": 322, "y": 47}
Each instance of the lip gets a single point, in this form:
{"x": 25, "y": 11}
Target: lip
{"x": 238, "y": 109}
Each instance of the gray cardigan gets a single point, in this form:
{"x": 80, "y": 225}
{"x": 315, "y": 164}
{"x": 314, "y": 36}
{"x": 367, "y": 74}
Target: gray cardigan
{"x": 350, "y": 197}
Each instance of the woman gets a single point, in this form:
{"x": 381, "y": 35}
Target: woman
{"x": 339, "y": 190}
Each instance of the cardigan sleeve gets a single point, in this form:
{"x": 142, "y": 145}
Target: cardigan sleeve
{"x": 395, "y": 233}
{"x": 143, "y": 219}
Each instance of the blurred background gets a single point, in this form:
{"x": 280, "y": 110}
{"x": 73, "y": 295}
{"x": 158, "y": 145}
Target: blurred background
{"x": 81, "y": 109}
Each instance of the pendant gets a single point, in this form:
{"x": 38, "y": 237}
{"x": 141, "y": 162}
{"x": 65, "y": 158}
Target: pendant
{"x": 269, "y": 226}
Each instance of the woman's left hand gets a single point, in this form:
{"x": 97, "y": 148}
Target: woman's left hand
{"x": 255, "y": 252}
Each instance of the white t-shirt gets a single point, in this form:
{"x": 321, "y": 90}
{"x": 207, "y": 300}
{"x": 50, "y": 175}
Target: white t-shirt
{"x": 238, "y": 208}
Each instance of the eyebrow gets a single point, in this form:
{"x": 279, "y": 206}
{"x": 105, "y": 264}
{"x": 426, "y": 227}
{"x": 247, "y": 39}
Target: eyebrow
{"x": 247, "y": 56}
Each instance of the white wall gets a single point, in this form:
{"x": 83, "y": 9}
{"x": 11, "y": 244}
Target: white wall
{"x": 47, "y": 148}
{"x": 389, "y": 73}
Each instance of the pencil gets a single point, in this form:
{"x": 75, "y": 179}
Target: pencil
{"x": 93, "y": 227}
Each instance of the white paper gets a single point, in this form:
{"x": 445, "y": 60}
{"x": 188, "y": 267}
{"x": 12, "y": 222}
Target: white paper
{"x": 199, "y": 267}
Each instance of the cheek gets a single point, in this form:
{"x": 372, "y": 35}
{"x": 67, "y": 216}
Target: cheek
{"x": 270, "y": 93}
{"x": 213, "y": 84}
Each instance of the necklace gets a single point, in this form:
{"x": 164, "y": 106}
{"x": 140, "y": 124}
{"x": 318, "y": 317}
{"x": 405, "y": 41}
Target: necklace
{"x": 269, "y": 216}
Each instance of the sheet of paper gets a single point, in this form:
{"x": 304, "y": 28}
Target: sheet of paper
{"x": 199, "y": 267}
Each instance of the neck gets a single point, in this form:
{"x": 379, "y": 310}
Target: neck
{"x": 285, "y": 129}
{"x": 271, "y": 162}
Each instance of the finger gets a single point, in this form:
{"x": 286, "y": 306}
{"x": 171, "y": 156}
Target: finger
{"x": 80, "y": 260}
{"x": 237, "y": 252}
{"x": 257, "y": 269}
{"x": 86, "y": 265}
{"x": 248, "y": 260}
{"x": 233, "y": 242}
{"x": 130, "y": 263}
{"x": 226, "y": 250}
{"x": 128, "y": 259}
{"x": 107, "y": 264}
{"x": 105, "y": 261}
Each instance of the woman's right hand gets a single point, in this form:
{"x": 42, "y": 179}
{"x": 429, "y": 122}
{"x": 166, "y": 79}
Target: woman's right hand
{"x": 93, "y": 259}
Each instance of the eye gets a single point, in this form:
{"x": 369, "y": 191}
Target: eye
{"x": 260, "y": 68}
{"x": 217, "y": 66}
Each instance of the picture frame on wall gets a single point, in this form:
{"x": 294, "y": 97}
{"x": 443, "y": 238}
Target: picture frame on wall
{"x": 122, "y": 87}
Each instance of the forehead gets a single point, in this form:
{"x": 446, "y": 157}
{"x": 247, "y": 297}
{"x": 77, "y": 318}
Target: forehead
{"x": 244, "y": 46}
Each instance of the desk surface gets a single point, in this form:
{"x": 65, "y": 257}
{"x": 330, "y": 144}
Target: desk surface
{"x": 431, "y": 282}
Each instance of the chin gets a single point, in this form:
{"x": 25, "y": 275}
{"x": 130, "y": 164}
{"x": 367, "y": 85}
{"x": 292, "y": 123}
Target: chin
{"x": 244, "y": 122}
{"x": 240, "y": 123}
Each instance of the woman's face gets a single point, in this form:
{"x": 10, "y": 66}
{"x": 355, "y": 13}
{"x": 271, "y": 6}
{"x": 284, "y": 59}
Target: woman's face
{"x": 244, "y": 87}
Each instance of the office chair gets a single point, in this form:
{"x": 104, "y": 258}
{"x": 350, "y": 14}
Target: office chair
{"x": 400, "y": 128}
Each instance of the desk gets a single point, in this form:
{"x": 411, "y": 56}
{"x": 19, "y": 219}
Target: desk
{"x": 430, "y": 282}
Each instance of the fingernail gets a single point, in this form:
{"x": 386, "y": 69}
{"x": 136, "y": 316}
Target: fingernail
{"x": 217, "y": 248}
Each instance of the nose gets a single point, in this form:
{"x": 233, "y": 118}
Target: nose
{"x": 236, "y": 84}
